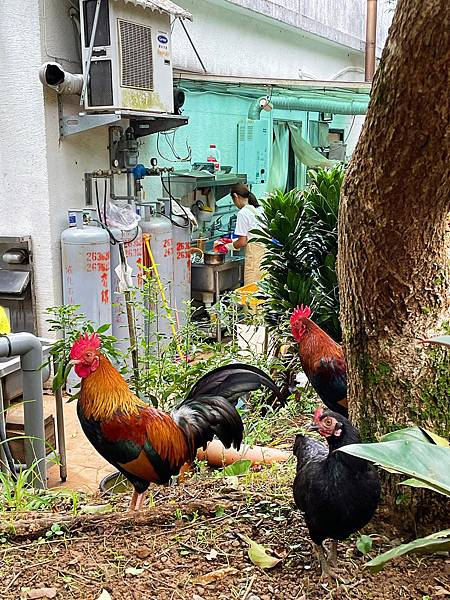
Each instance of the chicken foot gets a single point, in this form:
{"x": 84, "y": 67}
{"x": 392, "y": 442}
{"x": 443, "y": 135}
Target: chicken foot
{"x": 327, "y": 561}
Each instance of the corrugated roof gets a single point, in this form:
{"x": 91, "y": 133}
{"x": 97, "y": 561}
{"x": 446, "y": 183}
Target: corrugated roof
{"x": 166, "y": 6}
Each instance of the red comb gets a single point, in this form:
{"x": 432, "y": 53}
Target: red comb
{"x": 83, "y": 343}
{"x": 300, "y": 311}
{"x": 317, "y": 414}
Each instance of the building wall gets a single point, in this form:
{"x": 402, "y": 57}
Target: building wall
{"x": 24, "y": 208}
{"x": 41, "y": 177}
{"x": 333, "y": 20}
{"x": 230, "y": 43}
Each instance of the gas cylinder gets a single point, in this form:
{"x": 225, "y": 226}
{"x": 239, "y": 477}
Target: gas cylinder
{"x": 181, "y": 235}
{"x": 158, "y": 230}
{"x": 133, "y": 252}
{"x": 86, "y": 271}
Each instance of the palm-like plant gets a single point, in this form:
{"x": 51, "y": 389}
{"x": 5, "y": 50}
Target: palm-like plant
{"x": 300, "y": 235}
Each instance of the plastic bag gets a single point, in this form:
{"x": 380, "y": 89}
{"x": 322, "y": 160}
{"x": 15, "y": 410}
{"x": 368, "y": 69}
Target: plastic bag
{"x": 122, "y": 217}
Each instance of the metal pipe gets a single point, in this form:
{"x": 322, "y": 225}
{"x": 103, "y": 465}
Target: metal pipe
{"x": 371, "y": 39}
{"x": 54, "y": 76}
{"x": 336, "y": 107}
{"x": 60, "y": 430}
{"x": 29, "y": 348}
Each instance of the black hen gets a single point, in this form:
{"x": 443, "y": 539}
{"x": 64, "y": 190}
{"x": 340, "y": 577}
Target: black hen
{"x": 337, "y": 492}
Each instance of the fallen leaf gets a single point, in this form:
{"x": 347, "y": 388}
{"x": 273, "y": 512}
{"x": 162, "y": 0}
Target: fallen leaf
{"x": 97, "y": 509}
{"x": 258, "y": 554}
{"x": 215, "y": 575}
{"x": 232, "y": 482}
{"x": 42, "y": 593}
{"x": 212, "y": 554}
{"x": 441, "y": 591}
{"x": 133, "y": 571}
{"x": 364, "y": 544}
{"x": 104, "y": 595}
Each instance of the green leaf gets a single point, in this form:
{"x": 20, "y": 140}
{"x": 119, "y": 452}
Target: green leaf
{"x": 437, "y": 439}
{"x": 426, "y": 462}
{"x": 103, "y": 328}
{"x": 259, "y": 556}
{"x": 435, "y": 542}
{"x": 417, "y": 484}
{"x": 364, "y": 544}
{"x": 410, "y": 433}
{"x": 240, "y": 467}
{"x": 441, "y": 340}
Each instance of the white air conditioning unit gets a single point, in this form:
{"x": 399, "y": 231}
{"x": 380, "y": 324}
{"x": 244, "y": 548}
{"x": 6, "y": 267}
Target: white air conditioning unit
{"x": 254, "y": 144}
{"x": 131, "y": 65}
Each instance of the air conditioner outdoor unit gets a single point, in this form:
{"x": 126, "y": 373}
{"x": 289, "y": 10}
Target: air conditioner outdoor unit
{"x": 254, "y": 142}
{"x": 131, "y": 64}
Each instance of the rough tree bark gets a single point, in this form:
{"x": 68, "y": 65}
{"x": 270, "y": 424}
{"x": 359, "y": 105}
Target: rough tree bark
{"x": 393, "y": 265}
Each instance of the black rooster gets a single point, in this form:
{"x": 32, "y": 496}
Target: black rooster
{"x": 337, "y": 492}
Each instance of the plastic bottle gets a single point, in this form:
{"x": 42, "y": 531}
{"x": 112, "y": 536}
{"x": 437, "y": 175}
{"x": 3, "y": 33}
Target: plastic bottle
{"x": 214, "y": 157}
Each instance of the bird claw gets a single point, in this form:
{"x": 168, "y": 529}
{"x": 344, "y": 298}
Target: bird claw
{"x": 332, "y": 573}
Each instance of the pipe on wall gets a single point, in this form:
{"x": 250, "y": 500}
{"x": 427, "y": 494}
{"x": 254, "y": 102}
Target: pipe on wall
{"x": 54, "y": 76}
{"x": 29, "y": 348}
{"x": 371, "y": 39}
{"x": 336, "y": 107}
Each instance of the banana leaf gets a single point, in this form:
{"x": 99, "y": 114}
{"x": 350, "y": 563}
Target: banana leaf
{"x": 418, "y": 434}
{"x": 436, "y": 542}
{"x": 427, "y": 463}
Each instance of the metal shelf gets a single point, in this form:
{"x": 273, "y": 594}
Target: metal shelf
{"x": 143, "y": 123}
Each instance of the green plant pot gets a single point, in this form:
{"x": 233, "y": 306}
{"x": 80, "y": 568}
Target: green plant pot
{"x": 116, "y": 483}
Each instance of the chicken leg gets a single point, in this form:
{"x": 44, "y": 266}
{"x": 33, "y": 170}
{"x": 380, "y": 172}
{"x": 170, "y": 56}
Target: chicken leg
{"x": 332, "y": 555}
{"x": 327, "y": 571}
{"x": 137, "y": 500}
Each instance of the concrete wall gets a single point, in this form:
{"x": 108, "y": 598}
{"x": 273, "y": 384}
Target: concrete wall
{"x": 230, "y": 43}
{"x": 343, "y": 23}
{"x": 24, "y": 208}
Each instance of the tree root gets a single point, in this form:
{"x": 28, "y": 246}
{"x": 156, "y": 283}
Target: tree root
{"x": 30, "y": 529}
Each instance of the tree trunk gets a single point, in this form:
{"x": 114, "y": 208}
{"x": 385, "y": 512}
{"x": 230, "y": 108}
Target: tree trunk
{"x": 393, "y": 262}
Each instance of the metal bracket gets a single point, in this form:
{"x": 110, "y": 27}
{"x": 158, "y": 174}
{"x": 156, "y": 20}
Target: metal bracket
{"x": 142, "y": 123}
{"x": 71, "y": 124}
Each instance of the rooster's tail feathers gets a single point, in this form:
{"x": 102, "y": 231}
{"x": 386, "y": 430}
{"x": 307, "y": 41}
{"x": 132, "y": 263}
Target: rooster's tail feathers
{"x": 231, "y": 382}
{"x": 203, "y": 417}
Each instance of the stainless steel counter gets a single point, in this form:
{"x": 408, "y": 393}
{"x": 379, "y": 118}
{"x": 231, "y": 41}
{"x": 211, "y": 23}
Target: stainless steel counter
{"x": 214, "y": 279}
{"x": 217, "y": 278}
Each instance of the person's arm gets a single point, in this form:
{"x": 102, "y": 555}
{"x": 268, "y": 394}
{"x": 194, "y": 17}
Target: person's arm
{"x": 241, "y": 242}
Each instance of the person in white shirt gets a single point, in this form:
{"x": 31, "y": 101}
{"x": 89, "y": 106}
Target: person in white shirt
{"x": 247, "y": 219}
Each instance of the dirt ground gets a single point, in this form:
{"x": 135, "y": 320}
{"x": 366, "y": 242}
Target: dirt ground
{"x": 175, "y": 552}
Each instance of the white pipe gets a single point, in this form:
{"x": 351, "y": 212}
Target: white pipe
{"x": 53, "y": 75}
{"x": 347, "y": 70}
{"x": 29, "y": 348}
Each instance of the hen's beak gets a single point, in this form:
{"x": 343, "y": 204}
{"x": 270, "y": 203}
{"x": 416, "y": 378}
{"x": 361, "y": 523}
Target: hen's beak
{"x": 313, "y": 427}
{"x": 74, "y": 361}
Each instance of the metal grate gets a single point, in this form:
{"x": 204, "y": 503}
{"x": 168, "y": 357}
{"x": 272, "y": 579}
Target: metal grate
{"x": 136, "y": 55}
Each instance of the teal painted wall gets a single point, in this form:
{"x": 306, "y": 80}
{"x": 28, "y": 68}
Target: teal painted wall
{"x": 213, "y": 119}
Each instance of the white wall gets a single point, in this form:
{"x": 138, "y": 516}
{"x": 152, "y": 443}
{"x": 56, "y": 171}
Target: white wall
{"x": 24, "y": 208}
{"x": 230, "y": 43}
{"x": 340, "y": 21}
